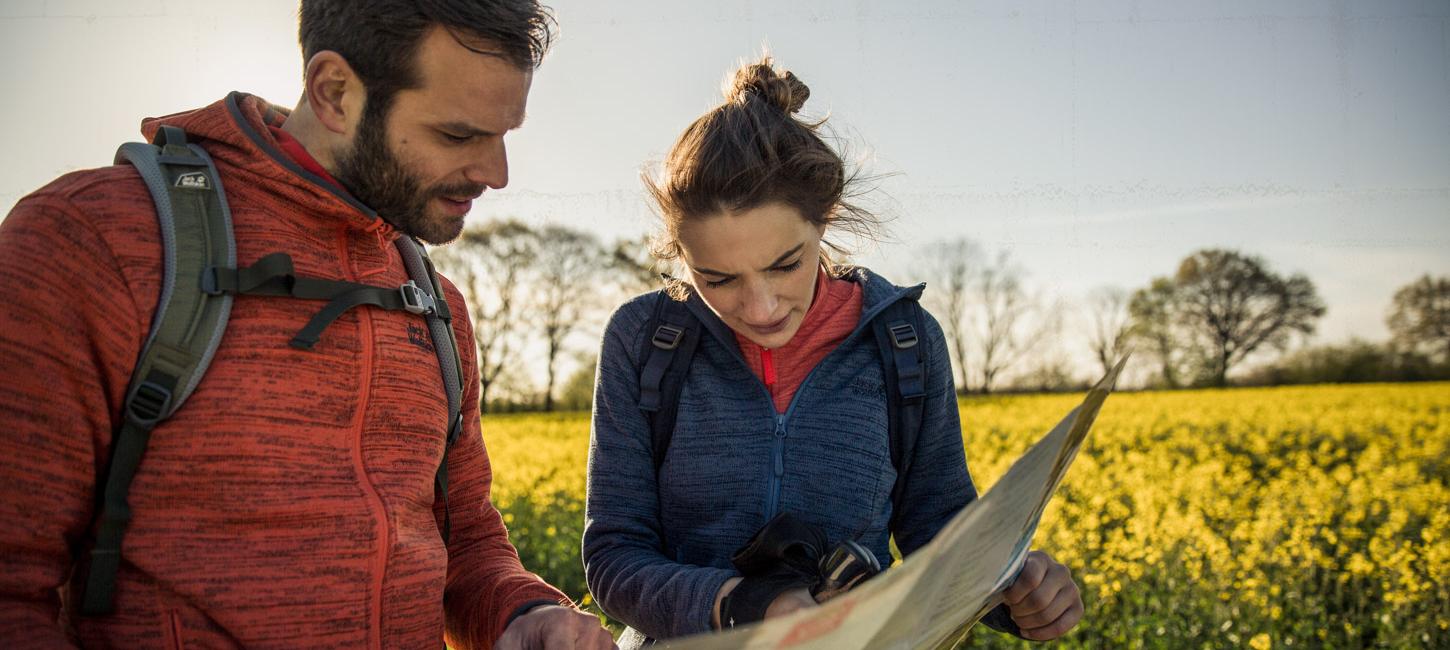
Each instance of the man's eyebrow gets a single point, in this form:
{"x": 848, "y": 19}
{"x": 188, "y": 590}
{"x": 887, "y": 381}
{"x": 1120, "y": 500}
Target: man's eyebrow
{"x": 463, "y": 129}
{"x": 778, "y": 261}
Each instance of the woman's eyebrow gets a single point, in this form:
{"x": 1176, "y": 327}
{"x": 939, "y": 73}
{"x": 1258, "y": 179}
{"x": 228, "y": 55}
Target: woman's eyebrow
{"x": 778, "y": 261}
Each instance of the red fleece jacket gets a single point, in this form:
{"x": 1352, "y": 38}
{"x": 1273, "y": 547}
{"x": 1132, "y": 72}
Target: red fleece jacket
{"x": 290, "y": 502}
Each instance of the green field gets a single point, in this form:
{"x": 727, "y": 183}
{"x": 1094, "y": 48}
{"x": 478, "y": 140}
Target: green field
{"x": 1313, "y": 517}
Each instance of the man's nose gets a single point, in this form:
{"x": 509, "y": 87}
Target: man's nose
{"x": 490, "y": 167}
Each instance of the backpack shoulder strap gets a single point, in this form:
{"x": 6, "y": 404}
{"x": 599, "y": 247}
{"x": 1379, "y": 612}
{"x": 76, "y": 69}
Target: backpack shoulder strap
{"x": 898, "y": 330}
{"x": 440, "y": 330}
{"x": 673, "y": 333}
{"x": 196, "y": 233}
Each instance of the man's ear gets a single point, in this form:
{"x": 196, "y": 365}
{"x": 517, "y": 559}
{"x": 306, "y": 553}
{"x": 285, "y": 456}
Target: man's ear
{"x": 334, "y": 92}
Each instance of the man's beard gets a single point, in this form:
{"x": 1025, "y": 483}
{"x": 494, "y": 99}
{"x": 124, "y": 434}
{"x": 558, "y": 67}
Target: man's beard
{"x": 379, "y": 179}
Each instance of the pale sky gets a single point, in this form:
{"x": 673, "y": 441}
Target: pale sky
{"x": 1101, "y": 142}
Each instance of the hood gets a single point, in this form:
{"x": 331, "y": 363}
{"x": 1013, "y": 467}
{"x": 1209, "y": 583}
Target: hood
{"x": 234, "y": 131}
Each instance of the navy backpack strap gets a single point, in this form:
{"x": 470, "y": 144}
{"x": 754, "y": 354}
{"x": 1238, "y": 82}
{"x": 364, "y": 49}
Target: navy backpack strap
{"x": 672, "y": 335}
{"x": 196, "y": 233}
{"x": 899, "y": 335}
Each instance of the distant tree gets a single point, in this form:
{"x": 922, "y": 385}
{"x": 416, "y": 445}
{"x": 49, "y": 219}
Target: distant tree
{"x": 1419, "y": 317}
{"x": 1236, "y": 305}
{"x": 1109, "y": 332}
{"x": 1153, "y": 314}
{"x": 637, "y": 270}
{"x": 569, "y": 262}
{"x": 491, "y": 263}
{"x": 1004, "y": 310}
{"x": 577, "y": 393}
{"x": 953, "y": 264}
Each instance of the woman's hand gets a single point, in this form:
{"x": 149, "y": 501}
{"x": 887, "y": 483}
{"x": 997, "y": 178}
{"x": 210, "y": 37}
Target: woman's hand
{"x": 786, "y": 603}
{"x": 1043, "y": 600}
{"x": 789, "y": 602}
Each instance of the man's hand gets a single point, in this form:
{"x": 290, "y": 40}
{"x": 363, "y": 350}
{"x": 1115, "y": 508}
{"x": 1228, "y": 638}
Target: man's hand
{"x": 1044, "y": 600}
{"x": 550, "y": 627}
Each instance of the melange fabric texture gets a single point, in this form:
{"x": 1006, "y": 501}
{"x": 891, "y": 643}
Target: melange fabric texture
{"x": 832, "y": 316}
{"x": 657, "y": 549}
{"x": 290, "y": 502}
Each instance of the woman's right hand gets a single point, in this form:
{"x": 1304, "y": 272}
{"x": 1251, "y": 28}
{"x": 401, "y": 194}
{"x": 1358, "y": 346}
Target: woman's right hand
{"x": 784, "y": 604}
{"x": 789, "y": 602}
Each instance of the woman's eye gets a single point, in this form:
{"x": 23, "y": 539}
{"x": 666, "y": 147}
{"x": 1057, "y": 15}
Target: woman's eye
{"x": 789, "y": 267}
{"x": 718, "y": 283}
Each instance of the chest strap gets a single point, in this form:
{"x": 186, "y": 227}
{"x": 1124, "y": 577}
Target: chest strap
{"x": 274, "y": 275}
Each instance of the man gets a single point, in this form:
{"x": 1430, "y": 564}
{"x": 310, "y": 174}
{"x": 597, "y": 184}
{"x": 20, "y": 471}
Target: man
{"x": 290, "y": 502}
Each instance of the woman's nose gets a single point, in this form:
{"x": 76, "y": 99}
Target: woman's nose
{"x": 760, "y": 305}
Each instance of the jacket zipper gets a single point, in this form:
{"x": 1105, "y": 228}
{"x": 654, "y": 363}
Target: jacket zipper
{"x": 772, "y": 501}
{"x": 375, "y": 501}
{"x": 777, "y": 474}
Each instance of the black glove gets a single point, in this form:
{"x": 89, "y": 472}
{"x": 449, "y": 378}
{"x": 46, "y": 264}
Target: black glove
{"x": 789, "y": 553}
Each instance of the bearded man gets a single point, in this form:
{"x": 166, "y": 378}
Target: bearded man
{"x": 291, "y": 501}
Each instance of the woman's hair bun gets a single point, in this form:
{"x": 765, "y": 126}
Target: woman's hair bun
{"x": 781, "y": 89}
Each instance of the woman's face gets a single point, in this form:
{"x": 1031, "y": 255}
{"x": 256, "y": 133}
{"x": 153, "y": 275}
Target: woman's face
{"x": 756, "y": 269}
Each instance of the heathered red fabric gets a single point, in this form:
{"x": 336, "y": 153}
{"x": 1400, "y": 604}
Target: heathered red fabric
{"x": 833, "y": 315}
{"x": 290, "y": 502}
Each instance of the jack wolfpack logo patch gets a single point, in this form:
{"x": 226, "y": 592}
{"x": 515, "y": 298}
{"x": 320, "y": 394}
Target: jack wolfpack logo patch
{"x": 193, "y": 181}
{"x": 419, "y": 338}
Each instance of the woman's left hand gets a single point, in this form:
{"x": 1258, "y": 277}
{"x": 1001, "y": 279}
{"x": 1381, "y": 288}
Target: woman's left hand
{"x": 1043, "y": 600}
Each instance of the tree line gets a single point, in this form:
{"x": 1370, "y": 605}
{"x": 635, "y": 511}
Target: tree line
{"x": 538, "y": 296}
{"x": 1195, "y": 325}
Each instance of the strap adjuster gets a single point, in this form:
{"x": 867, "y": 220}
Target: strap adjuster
{"x": 415, "y": 300}
{"x": 903, "y": 335}
{"x": 148, "y": 404}
{"x": 668, "y": 337}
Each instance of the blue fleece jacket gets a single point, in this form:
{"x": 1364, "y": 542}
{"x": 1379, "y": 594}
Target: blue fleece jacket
{"x": 657, "y": 550}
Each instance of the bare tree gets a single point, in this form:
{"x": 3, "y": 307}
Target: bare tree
{"x": 492, "y": 263}
{"x": 637, "y": 269}
{"x": 1108, "y": 335}
{"x": 1419, "y": 317}
{"x": 569, "y": 264}
{"x": 954, "y": 265}
{"x": 1004, "y": 311}
{"x": 1153, "y": 311}
{"x": 1240, "y": 306}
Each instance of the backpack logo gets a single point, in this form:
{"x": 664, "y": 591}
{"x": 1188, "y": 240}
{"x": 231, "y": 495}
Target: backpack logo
{"x": 193, "y": 181}
{"x": 419, "y": 338}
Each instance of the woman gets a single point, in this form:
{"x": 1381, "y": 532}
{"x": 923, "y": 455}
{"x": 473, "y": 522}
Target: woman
{"x": 783, "y": 408}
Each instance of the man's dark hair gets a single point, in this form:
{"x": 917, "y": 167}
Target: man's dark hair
{"x": 379, "y": 38}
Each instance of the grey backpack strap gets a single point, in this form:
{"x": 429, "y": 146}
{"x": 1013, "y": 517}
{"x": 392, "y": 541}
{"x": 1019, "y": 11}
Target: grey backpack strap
{"x": 440, "y": 328}
{"x": 196, "y": 233}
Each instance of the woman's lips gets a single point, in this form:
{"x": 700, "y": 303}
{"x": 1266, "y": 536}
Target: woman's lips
{"x": 771, "y": 328}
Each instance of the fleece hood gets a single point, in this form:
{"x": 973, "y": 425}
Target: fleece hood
{"x": 238, "y": 134}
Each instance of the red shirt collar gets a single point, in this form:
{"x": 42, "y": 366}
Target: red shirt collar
{"x": 299, "y": 155}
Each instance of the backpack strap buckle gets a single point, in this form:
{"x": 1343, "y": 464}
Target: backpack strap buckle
{"x": 667, "y": 337}
{"x": 415, "y": 300}
{"x": 903, "y": 335}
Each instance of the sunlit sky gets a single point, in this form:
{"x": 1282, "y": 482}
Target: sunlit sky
{"x": 1100, "y": 142}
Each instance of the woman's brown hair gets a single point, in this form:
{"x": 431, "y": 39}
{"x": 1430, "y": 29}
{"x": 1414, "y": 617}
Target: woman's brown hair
{"x": 752, "y": 150}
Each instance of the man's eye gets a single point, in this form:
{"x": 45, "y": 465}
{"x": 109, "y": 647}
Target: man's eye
{"x": 718, "y": 283}
{"x": 456, "y": 139}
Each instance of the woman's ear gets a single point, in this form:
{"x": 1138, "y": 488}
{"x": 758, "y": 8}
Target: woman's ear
{"x": 334, "y": 92}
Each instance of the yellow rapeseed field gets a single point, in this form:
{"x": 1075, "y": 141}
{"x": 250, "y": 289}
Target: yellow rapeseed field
{"x": 1297, "y": 517}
